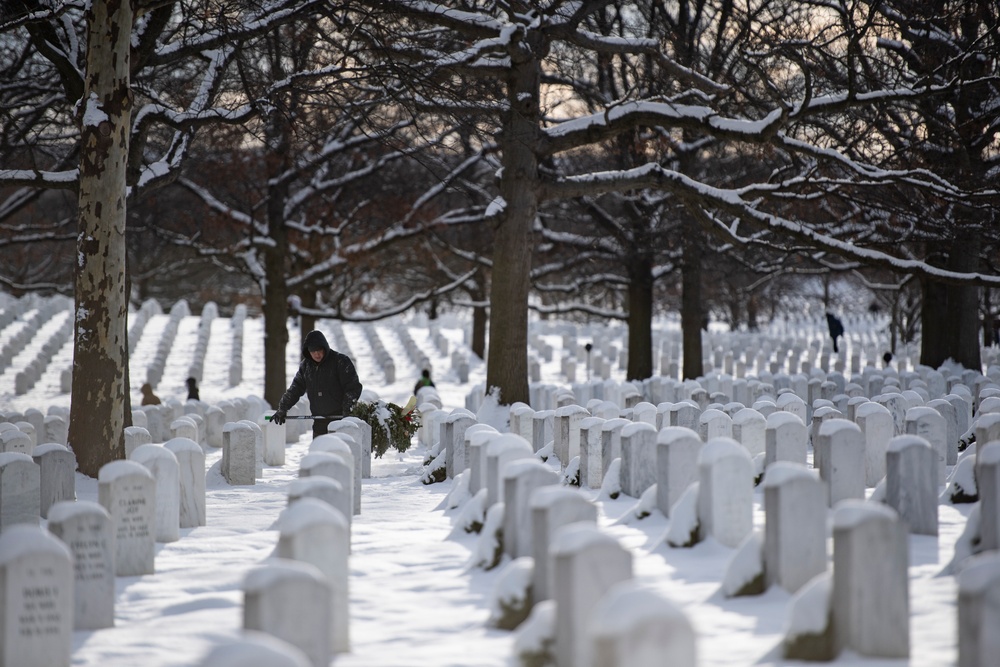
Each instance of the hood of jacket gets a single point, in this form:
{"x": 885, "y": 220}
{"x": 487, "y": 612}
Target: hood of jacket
{"x": 314, "y": 340}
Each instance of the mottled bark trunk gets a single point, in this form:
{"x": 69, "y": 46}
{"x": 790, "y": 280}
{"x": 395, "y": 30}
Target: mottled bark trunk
{"x": 640, "y": 321}
{"x": 507, "y": 366}
{"x": 100, "y": 342}
{"x": 691, "y": 306}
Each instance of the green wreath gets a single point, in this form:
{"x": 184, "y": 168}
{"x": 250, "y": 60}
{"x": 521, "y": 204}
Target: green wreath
{"x": 392, "y": 426}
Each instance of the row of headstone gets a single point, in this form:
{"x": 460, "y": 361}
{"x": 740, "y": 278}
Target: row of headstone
{"x": 416, "y": 355}
{"x": 383, "y": 360}
{"x": 301, "y": 596}
{"x": 138, "y": 321}
{"x": 209, "y": 313}
{"x": 154, "y": 371}
{"x": 438, "y": 339}
{"x": 32, "y": 479}
{"x": 31, "y": 373}
{"x": 38, "y": 314}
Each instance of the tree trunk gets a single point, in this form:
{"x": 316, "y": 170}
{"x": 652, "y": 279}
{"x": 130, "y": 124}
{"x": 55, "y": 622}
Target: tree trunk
{"x": 479, "y": 322}
{"x": 275, "y": 304}
{"x": 950, "y": 313}
{"x": 278, "y": 141}
{"x": 640, "y": 321}
{"x": 307, "y": 322}
{"x": 691, "y": 306}
{"x": 507, "y": 366}
{"x": 100, "y": 339}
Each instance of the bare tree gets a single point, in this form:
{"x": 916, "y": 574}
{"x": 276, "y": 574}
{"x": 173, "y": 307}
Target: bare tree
{"x": 123, "y": 97}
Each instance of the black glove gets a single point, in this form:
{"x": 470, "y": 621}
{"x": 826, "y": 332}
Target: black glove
{"x": 279, "y": 417}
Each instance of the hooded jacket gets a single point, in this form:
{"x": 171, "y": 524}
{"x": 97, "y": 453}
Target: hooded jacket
{"x": 332, "y": 385}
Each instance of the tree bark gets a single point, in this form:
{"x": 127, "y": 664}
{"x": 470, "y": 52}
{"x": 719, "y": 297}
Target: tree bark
{"x": 278, "y": 140}
{"x": 479, "y": 322}
{"x": 950, "y": 313}
{"x": 100, "y": 339}
{"x": 691, "y": 306}
{"x": 640, "y": 321}
{"x": 507, "y": 366}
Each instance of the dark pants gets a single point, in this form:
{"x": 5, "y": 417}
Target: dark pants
{"x": 320, "y": 426}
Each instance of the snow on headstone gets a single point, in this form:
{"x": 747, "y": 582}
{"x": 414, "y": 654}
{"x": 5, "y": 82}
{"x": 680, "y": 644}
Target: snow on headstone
{"x": 85, "y": 527}
{"x": 551, "y": 508}
{"x": 912, "y": 482}
{"x": 870, "y": 580}
{"x": 313, "y": 531}
{"x": 290, "y": 600}
{"x": 521, "y": 478}
{"x": 676, "y": 464}
{"x": 979, "y": 611}
{"x": 634, "y": 626}
{"x": 20, "y": 490}
{"x": 163, "y": 465}
{"x": 586, "y": 563}
{"x": 840, "y": 450}
{"x": 127, "y": 490}
{"x": 36, "y": 595}
{"x": 191, "y": 477}
{"x": 57, "y": 474}
{"x": 795, "y": 525}
{"x": 638, "y": 471}
{"x": 725, "y": 498}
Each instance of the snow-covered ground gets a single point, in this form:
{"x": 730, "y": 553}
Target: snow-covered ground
{"x": 414, "y": 600}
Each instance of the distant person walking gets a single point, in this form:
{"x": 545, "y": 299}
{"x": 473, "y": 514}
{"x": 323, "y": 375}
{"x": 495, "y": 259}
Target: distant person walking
{"x": 192, "y": 385}
{"x": 327, "y": 377}
{"x": 836, "y": 329}
{"x": 424, "y": 381}
{"x": 148, "y": 397}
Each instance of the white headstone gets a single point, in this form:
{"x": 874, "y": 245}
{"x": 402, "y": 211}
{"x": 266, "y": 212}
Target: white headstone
{"x": 632, "y": 626}
{"x": 191, "y": 478}
{"x": 911, "y": 486}
{"x": 313, "y": 531}
{"x": 795, "y": 525}
{"x": 586, "y": 563}
{"x": 928, "y": 423}
{"x": 871, "y": 606}
{"x": 521, "y": 478}
{"x": 676, "y": 464}
{"x": 553, "y": 507}
{"x": 290, "y": 600}
{"x": 20, "y": 490}
{"x": 725, "y": 494}
{"x": 840, "y": 450}
{"x": 57, "y": 474}
{"x": 501, "y": 449}
{"x": 85, "y": 528}
{"x": 256, "y": 649}
{"x": 36, "y": 596}
{"x": 979, "y": 611}
{"x": 638, "y": 467}
{"x": 239, "y": 454}
{"x": 127, "y": 490}
{"x": 785, "y": 439}
{"x": 163, "y": 465}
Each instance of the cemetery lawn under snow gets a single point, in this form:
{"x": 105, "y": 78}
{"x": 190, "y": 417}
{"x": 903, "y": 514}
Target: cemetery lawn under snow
{"x": 414, "y": 599}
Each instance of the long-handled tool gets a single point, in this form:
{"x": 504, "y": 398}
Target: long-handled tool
{"x": 269, "y": 417}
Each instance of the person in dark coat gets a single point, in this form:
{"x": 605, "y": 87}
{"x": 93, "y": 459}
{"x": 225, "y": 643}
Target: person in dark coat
{"x": 836, "y": 329}
{"x": 148, "y": 397}
{"x": 327, "y": 377}
{"x": 192, "y": 385}
{"x": 424, "y": 381}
